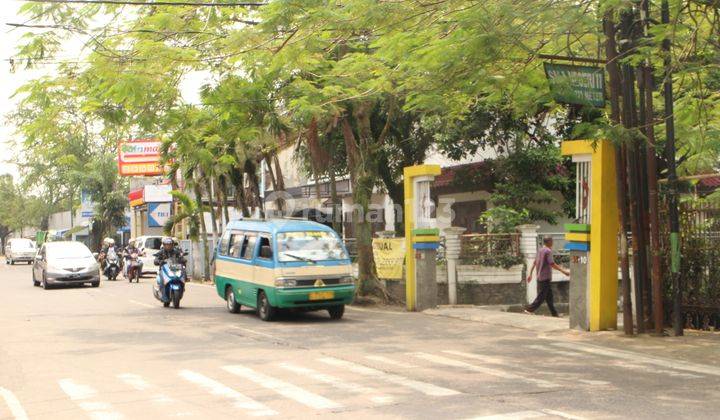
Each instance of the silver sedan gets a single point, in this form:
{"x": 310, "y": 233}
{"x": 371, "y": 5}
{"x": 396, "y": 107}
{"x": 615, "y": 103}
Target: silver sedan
{"x": 65, "y": 262}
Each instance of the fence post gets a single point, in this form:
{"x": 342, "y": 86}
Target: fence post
{"x": 528, "y": 249}
{"x": 452, "y": 254}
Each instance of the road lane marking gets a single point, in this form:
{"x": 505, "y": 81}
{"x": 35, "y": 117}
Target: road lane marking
{"x": 83, "y": 394}
{"x": 424, "y": 387}
{"x": 140, "y": 384}
{"x": 635, "y": 357}
{"x": 441, "y": 360}
{"x": 561, "y": 414}
{"x": 517, "y": 415}
{"x": 338, "y": 383}
{"x": 283, "y": 388}
{"x": 256, "y": 332}
{"x": 553, "y": 351}
{"x": 217, "y": 388}
{"x": 383, "y": 359}
{"x": 16, "y": 409}
{"x": 147, "y": 305}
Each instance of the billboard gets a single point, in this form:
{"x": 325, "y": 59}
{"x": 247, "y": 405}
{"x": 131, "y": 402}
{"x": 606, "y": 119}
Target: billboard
{"x": 158, "y": 214}
{"x": 140, "y": 157}
{"x": 580, "y": 85}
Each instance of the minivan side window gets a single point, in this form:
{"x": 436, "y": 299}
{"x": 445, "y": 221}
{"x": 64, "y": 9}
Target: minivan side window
{"x": 224, "y": 243}
{"x": 235, "y": 244}
{"x": 265, "y": 243}
{"x": 248, "y": 246}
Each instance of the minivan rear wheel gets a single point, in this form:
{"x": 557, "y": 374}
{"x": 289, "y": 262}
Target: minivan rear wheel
{"x": 266, "y": 312}
{"x": 232, "y": 306}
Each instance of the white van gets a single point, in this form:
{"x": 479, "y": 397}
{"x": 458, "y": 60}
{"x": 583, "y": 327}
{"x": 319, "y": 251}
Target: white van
{"x": 20, "y": 249}
{"x": 148, "y": 246}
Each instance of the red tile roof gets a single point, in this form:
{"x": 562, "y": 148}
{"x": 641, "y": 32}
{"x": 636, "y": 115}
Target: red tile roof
{"x": 447, "y": 175}
{"x": 712, "y": 182}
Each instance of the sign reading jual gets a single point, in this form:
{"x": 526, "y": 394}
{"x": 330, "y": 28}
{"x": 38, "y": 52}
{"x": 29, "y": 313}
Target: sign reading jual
{"x": 140, "y": 157}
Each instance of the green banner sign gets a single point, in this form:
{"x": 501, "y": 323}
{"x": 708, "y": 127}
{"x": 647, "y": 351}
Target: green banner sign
{"x": 580, "y": 85}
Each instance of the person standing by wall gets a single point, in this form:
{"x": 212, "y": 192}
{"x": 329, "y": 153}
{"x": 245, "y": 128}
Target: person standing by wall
{"x": 545, "y": 264}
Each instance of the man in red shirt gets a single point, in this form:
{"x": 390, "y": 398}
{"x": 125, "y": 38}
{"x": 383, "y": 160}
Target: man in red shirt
{"x": 545, "y": 264}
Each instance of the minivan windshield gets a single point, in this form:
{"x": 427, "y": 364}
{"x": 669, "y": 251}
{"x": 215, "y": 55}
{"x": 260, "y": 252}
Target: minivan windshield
{"x": 22, "y": 244}
{"x": 309, "y": 246}
{"x": 68, "y": 250}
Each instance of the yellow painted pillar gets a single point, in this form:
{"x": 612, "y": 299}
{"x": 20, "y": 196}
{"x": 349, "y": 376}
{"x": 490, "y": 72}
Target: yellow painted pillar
{"x": 604, "y": 228}
{"x": 409, "y": 173}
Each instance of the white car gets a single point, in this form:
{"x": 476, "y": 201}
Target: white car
{"x": 65, "y": 262}
{"x": 20, "y": 249}
{"x": 148, "y": 246}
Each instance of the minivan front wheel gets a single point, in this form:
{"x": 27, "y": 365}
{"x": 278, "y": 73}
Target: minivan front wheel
{"x": 266, "y": 312}
{"x": 336, "y": 312}
{"x": 232, "y": 306}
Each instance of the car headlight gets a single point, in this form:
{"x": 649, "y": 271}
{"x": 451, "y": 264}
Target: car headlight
{"x": 347, "y": 280}
{"x": 283, "y": 282}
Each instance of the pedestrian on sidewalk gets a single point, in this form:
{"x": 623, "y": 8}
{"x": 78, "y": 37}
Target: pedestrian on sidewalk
{"x": 545, "y": 264}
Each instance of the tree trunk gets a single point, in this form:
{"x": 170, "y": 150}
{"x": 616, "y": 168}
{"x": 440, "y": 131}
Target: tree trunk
{"x": 203, "y": 231}
{"x": 363, "y": 182}
{"x": 615, "y": 83}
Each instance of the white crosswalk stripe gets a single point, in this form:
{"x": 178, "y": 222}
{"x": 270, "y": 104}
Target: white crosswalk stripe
{"x": 441, "y": 360}
{"x": 217, "y": 388}
{"x": 424, "y": 387}
{"x": 640, "y": 358}
{"x": 338, "y": 383}
{"x": 517, "y": 415}
{"x": 16, "y": 409}
{"x": 84, "y": 397}
{"x": 283, "y": 388}
{"x": 389, "y": 361}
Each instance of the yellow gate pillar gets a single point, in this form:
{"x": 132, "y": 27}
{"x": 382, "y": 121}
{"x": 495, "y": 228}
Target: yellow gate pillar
{"x": 597, "y": 228}
{"x": 420, "y": 232}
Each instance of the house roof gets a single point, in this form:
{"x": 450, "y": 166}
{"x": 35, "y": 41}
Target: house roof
{"x": 712, "y": 182}
{"x": 453, "y": 175}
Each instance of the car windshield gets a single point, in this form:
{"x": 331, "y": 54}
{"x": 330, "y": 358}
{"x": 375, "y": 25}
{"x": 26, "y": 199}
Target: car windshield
{"x": 68, "y": 250}
{"x": 23, "y": 245}
{"x": 309, "y": 246}
{"x": 153, "y": 243}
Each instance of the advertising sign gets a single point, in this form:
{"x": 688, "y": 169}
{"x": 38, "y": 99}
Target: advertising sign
{"x": 157, "y": 193}
{"x": 87, "y": 207}
{"x": 139, "y": 157}
{"x": 158, "y": 214}
{"x": 580, "y": 85}
{"x": 389, "y": 256}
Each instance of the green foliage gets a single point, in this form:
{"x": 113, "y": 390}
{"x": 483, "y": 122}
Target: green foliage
{"x": 503, "y": 219}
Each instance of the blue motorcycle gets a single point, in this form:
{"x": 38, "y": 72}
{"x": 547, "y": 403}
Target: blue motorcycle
{"x": 171, "y": 277}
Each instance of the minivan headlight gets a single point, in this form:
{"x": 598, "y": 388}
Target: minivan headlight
{"x": 347, "y": 280}
{"x": 284, "y": 282}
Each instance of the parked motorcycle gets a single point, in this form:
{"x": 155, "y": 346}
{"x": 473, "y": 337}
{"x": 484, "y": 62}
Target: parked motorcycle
{"x": 134, "y": 267}
{"x": 112, "y": 265}
{"x": 172, "y": 279}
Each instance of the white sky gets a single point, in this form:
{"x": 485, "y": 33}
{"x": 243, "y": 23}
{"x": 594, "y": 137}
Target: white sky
{"x": 11, "y": 81}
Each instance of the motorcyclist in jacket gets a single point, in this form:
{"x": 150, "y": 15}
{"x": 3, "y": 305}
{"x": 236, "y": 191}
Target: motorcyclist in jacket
{"x": 127, "y": 253}
{"x": 168, "y": 251}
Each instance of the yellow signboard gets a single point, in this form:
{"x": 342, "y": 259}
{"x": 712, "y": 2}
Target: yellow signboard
{"x": 389, "y": 256}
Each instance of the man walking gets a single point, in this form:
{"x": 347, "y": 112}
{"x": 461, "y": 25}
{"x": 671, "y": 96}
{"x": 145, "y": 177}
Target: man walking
{"x": 545, "y": 264}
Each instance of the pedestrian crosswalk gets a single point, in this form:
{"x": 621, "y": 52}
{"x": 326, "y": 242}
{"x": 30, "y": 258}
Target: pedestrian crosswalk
{"x": 320, "y": 383}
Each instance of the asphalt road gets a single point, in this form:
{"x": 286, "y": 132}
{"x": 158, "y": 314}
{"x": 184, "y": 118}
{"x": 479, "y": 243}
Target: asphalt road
{"x": 114, "y": 352}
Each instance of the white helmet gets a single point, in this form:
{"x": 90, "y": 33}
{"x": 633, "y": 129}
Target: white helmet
{"x": 110, "y": 241}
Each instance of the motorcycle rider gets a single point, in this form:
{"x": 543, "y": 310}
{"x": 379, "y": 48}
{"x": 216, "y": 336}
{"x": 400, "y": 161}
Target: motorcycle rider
{"x": 108, "y": 244}
{"x": 168, "y": 251}
{"x": 127, "y": 253}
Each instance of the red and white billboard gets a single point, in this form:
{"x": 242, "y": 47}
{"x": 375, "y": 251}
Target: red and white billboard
{"x": 140, "y": 157}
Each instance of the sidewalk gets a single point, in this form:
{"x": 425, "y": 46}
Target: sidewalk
{"x": 700, "y": 347}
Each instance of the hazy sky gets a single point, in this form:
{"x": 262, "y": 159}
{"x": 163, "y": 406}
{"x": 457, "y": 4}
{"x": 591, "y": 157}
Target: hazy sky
{"x": 11, "y": 81}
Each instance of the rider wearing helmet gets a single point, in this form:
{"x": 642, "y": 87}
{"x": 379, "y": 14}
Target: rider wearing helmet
{"x": 107, "y": 245}
{"x": 168, "y": 251}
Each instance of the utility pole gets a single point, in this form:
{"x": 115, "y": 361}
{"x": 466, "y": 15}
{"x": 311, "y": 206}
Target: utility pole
{"x": 613, "y": 69}
{"x": 652, "y": 184}
{"x": 672, "y": 178}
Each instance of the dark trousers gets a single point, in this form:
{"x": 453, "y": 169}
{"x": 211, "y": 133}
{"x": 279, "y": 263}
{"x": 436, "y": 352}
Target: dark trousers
{"x": 545, "y": 294}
